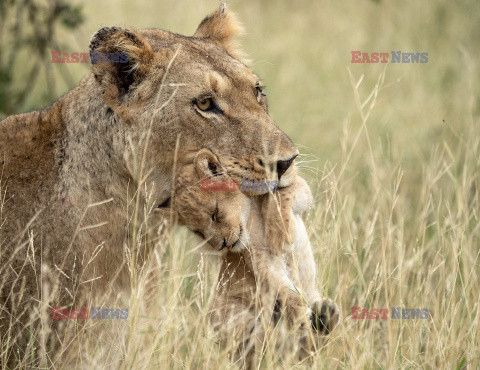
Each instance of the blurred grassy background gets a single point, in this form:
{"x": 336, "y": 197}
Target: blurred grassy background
{"x": 396, "y": 222}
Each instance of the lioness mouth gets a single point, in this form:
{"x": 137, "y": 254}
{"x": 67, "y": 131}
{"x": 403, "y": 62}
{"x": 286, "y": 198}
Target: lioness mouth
{"x": 230, "y": 247}
{"x": 165, "y": 204}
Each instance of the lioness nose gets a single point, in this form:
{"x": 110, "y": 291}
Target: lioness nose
{"x": 282, "y": 166}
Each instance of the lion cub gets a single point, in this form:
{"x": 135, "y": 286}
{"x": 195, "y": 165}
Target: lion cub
{"x": 267, "y": 234}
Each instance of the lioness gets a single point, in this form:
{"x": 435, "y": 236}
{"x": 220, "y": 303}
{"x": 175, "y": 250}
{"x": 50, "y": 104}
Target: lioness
{"x": 80, "y": 177}
{"x": 284, "y": 275}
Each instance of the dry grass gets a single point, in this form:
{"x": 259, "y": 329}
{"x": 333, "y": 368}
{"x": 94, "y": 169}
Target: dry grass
{"x": 396, "y": 222}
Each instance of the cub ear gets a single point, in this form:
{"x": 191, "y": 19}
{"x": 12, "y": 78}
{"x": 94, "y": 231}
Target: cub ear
{"x": 221, "y": 27}
{"x": 206, "y": 164}
{"x": 120, "y": 58}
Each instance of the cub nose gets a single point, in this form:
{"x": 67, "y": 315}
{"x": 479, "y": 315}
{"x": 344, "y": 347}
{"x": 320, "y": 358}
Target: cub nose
{"x": 282, "y": 166}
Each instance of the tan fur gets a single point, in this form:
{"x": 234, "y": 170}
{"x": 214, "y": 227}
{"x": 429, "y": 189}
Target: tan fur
{"x": 78, "y": 175}
{"x": 222, "y": 27}
{"x": 284, "y": 276}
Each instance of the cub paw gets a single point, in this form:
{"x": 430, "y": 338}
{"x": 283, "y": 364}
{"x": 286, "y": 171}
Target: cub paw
{"x": 325, "y": 316}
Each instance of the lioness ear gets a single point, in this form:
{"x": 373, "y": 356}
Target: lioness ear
{"x": 221, "y": 27}
{"x": 206, "y": 164}
{"x": 120, "y": 57}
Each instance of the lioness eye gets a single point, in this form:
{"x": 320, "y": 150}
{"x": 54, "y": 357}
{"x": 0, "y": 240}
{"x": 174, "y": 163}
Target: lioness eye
{"x": 204, "y": 104}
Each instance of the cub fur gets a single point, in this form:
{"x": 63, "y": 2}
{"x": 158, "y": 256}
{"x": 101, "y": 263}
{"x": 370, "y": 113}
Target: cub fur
{"x": 233, "y": 224}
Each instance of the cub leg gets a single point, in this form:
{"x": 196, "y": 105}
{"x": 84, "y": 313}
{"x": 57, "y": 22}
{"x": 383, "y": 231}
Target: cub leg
{"x": 277, "y": 215}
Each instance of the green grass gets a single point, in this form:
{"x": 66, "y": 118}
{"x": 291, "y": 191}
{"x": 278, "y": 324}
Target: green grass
{"x": 396, "y": 221}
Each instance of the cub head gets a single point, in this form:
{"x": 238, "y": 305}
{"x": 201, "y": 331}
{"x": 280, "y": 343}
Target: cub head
{"x": 173, "y": 95}
{"x": 218, "y": 215}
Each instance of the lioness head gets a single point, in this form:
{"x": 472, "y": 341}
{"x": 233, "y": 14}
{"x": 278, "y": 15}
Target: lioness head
{"x": 218, "y": 217}
{"x": 177, "y": 94}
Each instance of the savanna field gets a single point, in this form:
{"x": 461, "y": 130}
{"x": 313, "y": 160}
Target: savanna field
{"x": 391, "y": 152}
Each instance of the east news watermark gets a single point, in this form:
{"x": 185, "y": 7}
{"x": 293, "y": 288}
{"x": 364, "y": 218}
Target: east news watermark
{"x": 59, "y": 313}
{"x": 392, "y": 57}
{"x": 244, "y": 185}
{"x": 94, "y": 57}
{"x": 394, "y": 313}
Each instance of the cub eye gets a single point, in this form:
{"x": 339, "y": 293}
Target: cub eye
{"x": 215, "y": 215}
{"x": 204, "y": 104}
